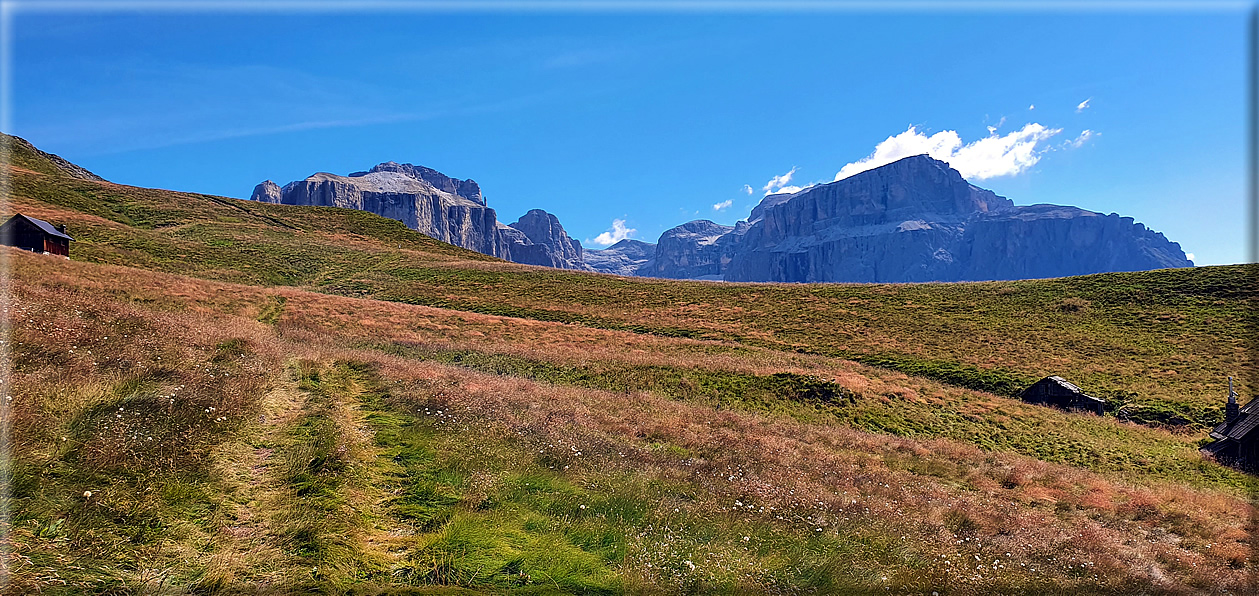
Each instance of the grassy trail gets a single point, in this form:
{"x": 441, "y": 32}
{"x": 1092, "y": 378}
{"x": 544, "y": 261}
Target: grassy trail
{"x": 320, "y": 468}
{"x": 248, "y": 552}
{"x": 330, "y": 494}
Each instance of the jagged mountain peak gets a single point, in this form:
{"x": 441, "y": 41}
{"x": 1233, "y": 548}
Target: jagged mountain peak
{"x": 445, "y": 208}
{"x": 918, "y": 219}
{"x": 910, "y": 187}
{"x": 467, "y": 189}
{"x": 554, "y": 247}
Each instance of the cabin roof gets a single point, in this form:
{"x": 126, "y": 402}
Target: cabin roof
{"x": 43, "y": 225}
{"x": 1247, "y": 420}
{"x": 1064, "y": 384}
{"x": 1068, "y": 385}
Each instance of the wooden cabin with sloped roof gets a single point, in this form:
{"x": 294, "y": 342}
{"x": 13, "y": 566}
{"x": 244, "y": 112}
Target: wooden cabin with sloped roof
{"x": 1236, "y": 442}
{"x": 1060, "y": 393}
{"x": 35, "y": 235}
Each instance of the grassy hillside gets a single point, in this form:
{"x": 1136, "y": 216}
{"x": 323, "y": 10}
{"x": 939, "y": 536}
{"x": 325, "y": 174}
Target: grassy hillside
{"x": 217, "y": 395}
{"x": 1157, "y": 344}
{"x": 175, "y": 434}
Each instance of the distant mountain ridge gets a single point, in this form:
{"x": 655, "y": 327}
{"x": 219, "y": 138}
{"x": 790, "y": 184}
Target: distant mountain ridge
{"x": 628, "y": 257}
{"x": 913, "y": 220}
{"x": 917, "y": 219}
{"x": 437, "y": 205}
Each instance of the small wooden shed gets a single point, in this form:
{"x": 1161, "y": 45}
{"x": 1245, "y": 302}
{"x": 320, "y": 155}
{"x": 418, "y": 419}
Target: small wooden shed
{"x": 1058, "y": 392}
{"x": 35, "y": 235}
{"x": 1236, "y": 442}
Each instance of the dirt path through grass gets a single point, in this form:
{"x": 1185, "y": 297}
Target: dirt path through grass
{"x": 247, "y": 549}
{"x": 306, "y": 505}
{"x": 313, "y": 499}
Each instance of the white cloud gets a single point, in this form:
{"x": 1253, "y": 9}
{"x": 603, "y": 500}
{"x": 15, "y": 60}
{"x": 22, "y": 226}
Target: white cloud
{"x": 614, "y": 234}
{"x": 989, "y": 157}
{"x": 1079, "y": 141}
{"x": 781, "y": 184}
{"x": 1032, "y": 107}
{"x": 747, "y": 188}
{"x": 723, "y": 205}
{"x": 1084, "y": 105}
{"x": 1189, "y": 256}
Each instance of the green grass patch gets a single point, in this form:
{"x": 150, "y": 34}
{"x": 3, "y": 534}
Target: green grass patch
{"x": 494, "y": 514}
{"x": 1076, "y": 439}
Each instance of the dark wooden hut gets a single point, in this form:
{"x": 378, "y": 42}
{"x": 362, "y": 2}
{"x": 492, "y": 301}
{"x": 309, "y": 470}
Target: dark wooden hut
{"x": 1060, "y": 393}
{"x": 1236, "y": 442}
{"x": 35, "y": 235}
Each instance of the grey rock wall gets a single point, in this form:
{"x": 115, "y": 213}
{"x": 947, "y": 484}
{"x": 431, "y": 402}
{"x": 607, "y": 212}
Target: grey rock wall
{"x": 917, "y": 220}
{"x": 544, "y": 230}
{"x": 698, "y": 249}
{"x": 445, "y": 208}
{"x": 913, "y": 220}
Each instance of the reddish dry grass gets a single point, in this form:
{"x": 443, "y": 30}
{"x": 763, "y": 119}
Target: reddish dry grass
{"x": 947, "y": 500}
{"x": 814, "y": 476}
{"x": 147, "y": 390}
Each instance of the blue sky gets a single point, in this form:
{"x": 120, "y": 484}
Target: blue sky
{"x": 655, "y": 119}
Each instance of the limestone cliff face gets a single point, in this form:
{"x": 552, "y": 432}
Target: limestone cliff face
{"x": 627, "y": 257}
{"x": 913, "y": 220}
{"x": 698, "y": 249}
{"x": 917, "y": 220}
{"x": 267, "y": 192}
{"x": 445, "y": 208}
{"x": 556, "y": 248}
{"x": 397, "y": 195}
{"x": 1052, "y": 241}
{"x": 465, "y": 188}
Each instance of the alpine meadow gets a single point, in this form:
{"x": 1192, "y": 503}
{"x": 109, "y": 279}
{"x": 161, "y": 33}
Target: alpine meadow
{"x": 220, "y": 396}
{"x": 591, "y": 297}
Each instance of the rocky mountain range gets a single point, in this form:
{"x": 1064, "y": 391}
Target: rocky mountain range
{"x": 912, "y": 220}
{"x": 445, "y": 208}
{"x": 917, "y": 219}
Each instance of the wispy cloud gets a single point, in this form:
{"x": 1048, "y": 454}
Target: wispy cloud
{"x": 989, "y": 157}
{"x": 1079, "y": 141}
{"x": 747, "y": 188}
{"x": 614, "y": 234}
{"x": 156, "y": 103}
{"x": 781, "y": 184}
{"x": 722, "y": 206}
{"x": 1084, "y": 105}
{"x": 1031, "y": 107}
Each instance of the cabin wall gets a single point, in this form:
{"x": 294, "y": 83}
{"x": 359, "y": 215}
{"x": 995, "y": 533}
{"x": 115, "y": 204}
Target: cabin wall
{"x": 23, "y": 235}
{"x": 1247, "y": 453}
{"x": 57, "y": 246}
